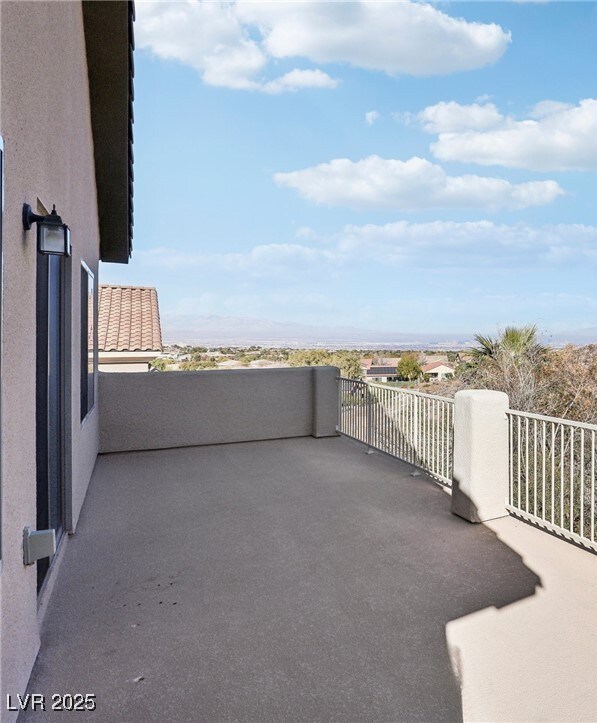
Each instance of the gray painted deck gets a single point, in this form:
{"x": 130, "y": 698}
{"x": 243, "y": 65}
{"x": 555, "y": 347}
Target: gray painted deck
{"x": 289, "y": 580}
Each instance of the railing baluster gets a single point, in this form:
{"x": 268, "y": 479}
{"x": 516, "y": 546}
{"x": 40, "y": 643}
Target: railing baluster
{"x": 526, "y": 464}
{"x": 571, "y": 506}
{"x": 410, "y": 425}
{"x": 402, "y": 426}
{"x": 424, "y": 436}
{"x": 442, "y": 468}
{"x": 593, "y": 454}
{"x": 559, "y": 471}
{"x": 435, "y": 439}
{"x": 535, "y": 467}
{"x": 518, "y": 446}
{"x": 553, "y": 472}
{"x": 582, "y": 484}
{"x": 433, "y": 435}
{"x": 436, "y": 446}
{"x": 394, "y": 425}
{"x": 388, "y": 418}
{"x": 511, "y": 460}
{"x": 418, "y": 428}
{"x": 562, "y": 477}
{"x": 431, "y": 461}
{"x": 409, "y": 413}
{"x": 543, "y": 443}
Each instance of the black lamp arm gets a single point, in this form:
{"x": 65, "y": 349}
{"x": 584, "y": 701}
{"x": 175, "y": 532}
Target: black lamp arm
{"x": 29, "y": 218}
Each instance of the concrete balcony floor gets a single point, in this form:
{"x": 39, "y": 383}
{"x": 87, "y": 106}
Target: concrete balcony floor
{"x": 297, "y": 579}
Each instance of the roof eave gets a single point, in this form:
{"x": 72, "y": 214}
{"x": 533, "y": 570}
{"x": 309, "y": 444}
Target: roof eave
{"x": 109, "y": 44}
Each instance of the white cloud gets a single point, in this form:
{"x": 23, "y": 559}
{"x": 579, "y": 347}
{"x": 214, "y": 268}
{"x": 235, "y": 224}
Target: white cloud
{"x": 548, "y": 107}
{"x": 232, "y": 44}
{"x": 469, "y": 244}
{"x": 452, "y": 117}
{"x": 209, "y": 37}
{"x": 376, "y": 182}
{"x": 205, "y": 35}
{"x": 557, "y": 137}
{"x": 261, "y": 261}
{"x": 434, "y": 245}
{"x": 396, "y": 38}
{"x": 298, "y": 79}
{"x": 371, "y": 116}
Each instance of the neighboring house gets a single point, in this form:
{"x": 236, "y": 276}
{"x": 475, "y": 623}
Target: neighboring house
{"x": 437, "y": 371}
{"x": 129, "y": 332}
{"x": 381, "y": 371}
{"x": 382, "y": 374}
{"x": 65, "y": 139}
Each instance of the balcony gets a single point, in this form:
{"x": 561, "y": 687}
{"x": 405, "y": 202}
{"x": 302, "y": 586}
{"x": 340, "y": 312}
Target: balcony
{"x": 291, "y": 574}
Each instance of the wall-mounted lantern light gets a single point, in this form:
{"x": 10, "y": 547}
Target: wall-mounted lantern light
{"x": 53, "y": 236}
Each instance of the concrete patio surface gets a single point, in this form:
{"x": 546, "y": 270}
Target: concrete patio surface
{"x": 298, "y": 579}
{"x": 533, "y": 660}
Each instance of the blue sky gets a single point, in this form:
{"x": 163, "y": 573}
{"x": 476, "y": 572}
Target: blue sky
{"x": 463, "y": 202}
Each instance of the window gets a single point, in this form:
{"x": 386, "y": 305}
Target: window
{"x": 87, "y": 340}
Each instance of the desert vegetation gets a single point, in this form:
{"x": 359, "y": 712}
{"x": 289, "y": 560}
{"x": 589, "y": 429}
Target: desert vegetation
{"x": 536, "y": 378}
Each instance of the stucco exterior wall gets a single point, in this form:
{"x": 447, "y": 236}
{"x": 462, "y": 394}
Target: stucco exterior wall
{"x": 182, "y": 409}
{"x": 480, "y": 476}
{"x": 125, "y": 361}
{"x": 132, "y": 367}
{"x": 45, "y": 123}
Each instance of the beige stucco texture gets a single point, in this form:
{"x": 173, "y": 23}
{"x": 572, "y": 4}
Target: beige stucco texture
{"x": 533, "y": 660}
{"x": 480, "y": 484}
{"x": 48, "y": 153}
{"x": 181, "y": 409}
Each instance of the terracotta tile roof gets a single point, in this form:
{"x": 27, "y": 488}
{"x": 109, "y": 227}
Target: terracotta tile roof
{"x": 381, "y": 362}
{"x": 129, "y": 319}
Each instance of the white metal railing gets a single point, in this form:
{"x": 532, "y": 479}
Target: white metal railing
{"x": 412, "y": 426}
{"x": 552, "y": 474}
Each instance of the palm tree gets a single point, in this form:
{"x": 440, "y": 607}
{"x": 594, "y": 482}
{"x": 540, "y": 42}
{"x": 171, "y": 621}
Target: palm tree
{"x": 513, "y": 363}
{"x": 487, "y": 347}
{"x": 517, "y": 342}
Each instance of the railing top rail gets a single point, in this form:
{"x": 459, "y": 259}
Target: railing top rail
{"x": 556, "y": 420}
{"x": 398, "y": 390}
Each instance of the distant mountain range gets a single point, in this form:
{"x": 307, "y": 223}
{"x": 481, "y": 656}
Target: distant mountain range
{"x": 215, "y": 330}
{"x": 212, "y": 330}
